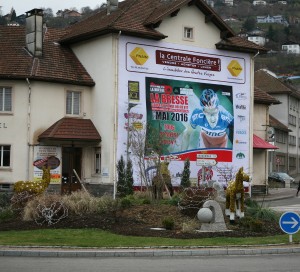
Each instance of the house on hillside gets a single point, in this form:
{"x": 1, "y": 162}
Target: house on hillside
{"x": 276, "y": 19}
{"x": 259, "y": 3}
{"x": 257, "y": 36}
{"x": 291, "y": 47}
{"x": 287, "y": 113}
{"x": 73, "y": 98}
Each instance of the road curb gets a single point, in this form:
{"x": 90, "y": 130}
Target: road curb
{"x": 149, "y": 252}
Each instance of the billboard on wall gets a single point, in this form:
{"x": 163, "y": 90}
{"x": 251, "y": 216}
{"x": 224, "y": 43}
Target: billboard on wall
{"x": 196, "y": 100}
{"x": 47, "y": 156}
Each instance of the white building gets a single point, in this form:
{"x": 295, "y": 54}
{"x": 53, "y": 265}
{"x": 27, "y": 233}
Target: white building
{"x": 67, "y": 97}
{"x": 291, "y": 47}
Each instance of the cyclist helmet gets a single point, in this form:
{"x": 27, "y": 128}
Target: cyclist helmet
{"x": 209, "y": 99}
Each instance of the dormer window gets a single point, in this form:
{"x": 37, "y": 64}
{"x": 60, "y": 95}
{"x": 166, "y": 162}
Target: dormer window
{"x": 188, "y": 33}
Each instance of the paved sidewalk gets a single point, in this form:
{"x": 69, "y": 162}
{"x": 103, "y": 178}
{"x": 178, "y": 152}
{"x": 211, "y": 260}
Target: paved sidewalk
{"x": 277, "y": 193}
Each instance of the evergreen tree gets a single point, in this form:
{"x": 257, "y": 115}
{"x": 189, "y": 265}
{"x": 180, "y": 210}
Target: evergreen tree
{"x": 185, "y": 178}
{"x": 129, "y": 178}
{"x": 121, "y": 178}
{"x": 125, "y": 178}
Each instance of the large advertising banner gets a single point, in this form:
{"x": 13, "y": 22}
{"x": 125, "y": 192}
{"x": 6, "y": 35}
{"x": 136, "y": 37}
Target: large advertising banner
{"x": 194, "y": 102}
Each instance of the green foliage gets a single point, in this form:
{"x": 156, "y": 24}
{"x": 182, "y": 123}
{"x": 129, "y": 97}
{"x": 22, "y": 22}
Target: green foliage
{"x": 250, "y": 223}
{"x": 185, "y": 178}
{"x": 6, "y": 214}
{"x": 146, "y": 201}
{"x": 5, "y": 199}
{"x": 125, "y": 178}
{"x": 168, "y": 223}
{"x": 256, "y": 211}
{"x": 125, "y": 203}
{"x": 249, "y": 24}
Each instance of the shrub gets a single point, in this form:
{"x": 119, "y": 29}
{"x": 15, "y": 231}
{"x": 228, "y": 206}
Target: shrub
{"x": 250, "y": 223}
{"x": 30, "y": 210}
{"x": 146, "y": 201}
{"x": 168, "y": 223}
{"x": 125, "y": 203}
{"x": 256, "y": 211}
{"x": 106, "y": 204}
{"x": 193, "y": 198}
{"x": 80, "y": 202}
{"x": 5, "y": 199}
{"x": 6, "y": 213}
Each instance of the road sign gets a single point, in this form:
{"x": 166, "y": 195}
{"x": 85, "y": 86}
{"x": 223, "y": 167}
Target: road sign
{"x": 206, "y": 156}
{"x": 206, "y": 162}
{"x": 290, "y": 222}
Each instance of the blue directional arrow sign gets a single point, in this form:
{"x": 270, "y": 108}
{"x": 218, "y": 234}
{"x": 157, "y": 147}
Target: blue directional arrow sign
{"x": 290, "y": 222}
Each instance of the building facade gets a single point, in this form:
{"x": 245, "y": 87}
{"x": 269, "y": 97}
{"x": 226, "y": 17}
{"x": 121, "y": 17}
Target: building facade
{"x": 68, "y": 96}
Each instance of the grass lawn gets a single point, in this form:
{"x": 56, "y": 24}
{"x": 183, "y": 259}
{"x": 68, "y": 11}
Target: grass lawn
{"x": 99, "y": 238}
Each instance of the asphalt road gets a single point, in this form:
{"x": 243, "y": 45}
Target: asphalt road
{"x": 266, "y": 263}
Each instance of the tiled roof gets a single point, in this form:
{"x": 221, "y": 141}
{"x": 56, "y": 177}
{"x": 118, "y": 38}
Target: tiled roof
{"x": 241, "y": 44}
{"x": 141, "y": 17}
{"x": 261, "y": 97}
{"x": 58, "y": 63}
{"x": 272, "y": 85}
{"x": 273, "y": 122}
{"x": 71, "y": 129}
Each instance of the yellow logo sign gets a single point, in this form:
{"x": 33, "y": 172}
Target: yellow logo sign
{"x": 139, "y": 56}
{"x": 234, "y": 68}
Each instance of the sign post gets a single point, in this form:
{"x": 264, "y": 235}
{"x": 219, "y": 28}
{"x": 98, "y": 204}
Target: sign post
{"x": 290, "y": 223}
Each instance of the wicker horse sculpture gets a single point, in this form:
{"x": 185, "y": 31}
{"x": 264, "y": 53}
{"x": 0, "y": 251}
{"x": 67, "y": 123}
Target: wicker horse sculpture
{"x": 235, "y": 196}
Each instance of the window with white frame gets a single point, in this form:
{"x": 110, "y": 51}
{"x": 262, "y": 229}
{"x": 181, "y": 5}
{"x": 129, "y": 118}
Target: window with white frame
{"x": 5, "y": 99}
{"x": 4, "y": 155}
{"x": 97, "y": 160}
{"x": 188, "y": 33}
{"x": 73, "y": 102}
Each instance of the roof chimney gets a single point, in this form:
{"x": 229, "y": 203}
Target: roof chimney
{"x": 112, "y": 5}
{"x": 34, "y": 32}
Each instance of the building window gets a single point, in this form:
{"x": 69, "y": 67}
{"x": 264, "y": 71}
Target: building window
{"x": 188, "y": 33}
{"x": 280, "y": 137}
{"x": 292, "y": 140}
{"x": 292, "y": 120}
{"x": 98, "y": 160}
{"x": 5, "y": 99}
{"x": 4, "y": 155}
{"x": 73, "y": 103}
{"x": 292, "y": 163}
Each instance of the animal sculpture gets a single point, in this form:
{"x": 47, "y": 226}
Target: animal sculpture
{"x": 235, "y": 196}
{"x": 34, "y": 187}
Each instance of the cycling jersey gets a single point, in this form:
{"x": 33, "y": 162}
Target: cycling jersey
{"x": 212, "y": 137}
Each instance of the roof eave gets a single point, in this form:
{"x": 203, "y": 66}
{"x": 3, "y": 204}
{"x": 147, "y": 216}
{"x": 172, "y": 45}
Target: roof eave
{"x": 103, "y": 32}
{"x": 240, "y": 49}
{"x": 52, "y": 80}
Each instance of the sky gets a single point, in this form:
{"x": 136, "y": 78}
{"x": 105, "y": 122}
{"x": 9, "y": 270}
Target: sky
{"x": 21, "y": 6}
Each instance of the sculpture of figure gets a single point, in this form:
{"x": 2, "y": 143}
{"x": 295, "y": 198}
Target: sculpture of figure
{"x": 235, "y": 195}
{"x": 162, "y": 179}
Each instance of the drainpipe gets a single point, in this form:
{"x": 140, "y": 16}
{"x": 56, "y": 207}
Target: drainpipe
{"x": 116, "y": 112}
{"x": 28, "y": 127}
